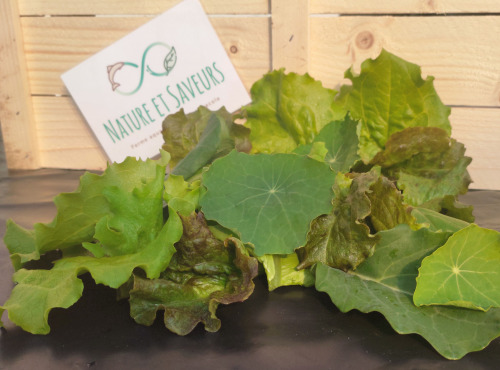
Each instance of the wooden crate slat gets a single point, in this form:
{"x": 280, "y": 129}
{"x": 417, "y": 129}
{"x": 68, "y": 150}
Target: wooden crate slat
{"x": 67, "y": 142}
{"x": 462, "y": 53}
{"x": 404, "y": 6}
{"x": 16, "y": 113}
{"x": 65, "y": 139}
{"x": 134, "y": 7}
{"x": 479, "y": 130}
{"x": 456, "y": 41}
{"x": 290, "y": 35}
{"x": 56, "y": 44}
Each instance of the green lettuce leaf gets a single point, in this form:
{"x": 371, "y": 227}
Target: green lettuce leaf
{"x": 341, "y": 142}
{"x": 436, "y": 221}
{"x": 120, "y": 208}
{"x": 269, "y": 199}
{"x": 37, "y": 292}
{"x": 288, "y": 110}
{"x": 182, "y": 196}
{"x": 426, "y": 163}
{"x": 203, "y": 273}
{"x": 387, "y": 96}
{"x": 281, "y": 270}
{"x": 121, "y": 212}
{"x": 450, "y": 206}
{"x": 196, "y": 139}
{"x": 385, "y": 282}
{"x": 464, "y": 272}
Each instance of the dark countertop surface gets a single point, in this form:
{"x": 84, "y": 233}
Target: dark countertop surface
{"x": 289, "y": 328}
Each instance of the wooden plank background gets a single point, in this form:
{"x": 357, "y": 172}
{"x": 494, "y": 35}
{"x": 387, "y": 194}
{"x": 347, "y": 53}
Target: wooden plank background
{"x": 456, "y": 41}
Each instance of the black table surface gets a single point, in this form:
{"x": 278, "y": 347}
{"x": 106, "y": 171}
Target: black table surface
{"x": 288, "y": 328}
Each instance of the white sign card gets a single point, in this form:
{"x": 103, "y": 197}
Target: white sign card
{"x": 173, "y": 62}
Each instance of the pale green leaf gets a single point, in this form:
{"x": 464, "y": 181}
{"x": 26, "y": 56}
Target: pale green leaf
{"x": 37, "y": 292}
{"x": 288, "y": 110}
{"x": 281, "y": 270}
{"x": 465, "y": 272}
{"x": 390, "y": 95}
{"x": 122, "y": 208}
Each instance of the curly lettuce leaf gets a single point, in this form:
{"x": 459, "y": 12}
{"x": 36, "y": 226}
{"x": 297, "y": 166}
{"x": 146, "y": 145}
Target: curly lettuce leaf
{"x": 288, "y": 110}
{"x": 385, "y": 282}
{"x": 464, "y": 272}
{"x": 37, "y": 292}
{"x": 124, "y": 230}
{"x": 181, "y": 195}
{"x": 269, "y": 199}
{"x": 118, "y": 208}
{"x": 387, "y": 96}
{"x": 203, "y": 273}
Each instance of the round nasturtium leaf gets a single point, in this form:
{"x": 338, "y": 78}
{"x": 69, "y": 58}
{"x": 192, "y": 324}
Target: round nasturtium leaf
{"x": 269, "y": 199}
{"x": 464, "y": 272}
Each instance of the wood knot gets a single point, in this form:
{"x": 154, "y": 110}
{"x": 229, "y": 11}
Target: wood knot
{"x": 365, "y": 40}
{"x": 233, "y": 49}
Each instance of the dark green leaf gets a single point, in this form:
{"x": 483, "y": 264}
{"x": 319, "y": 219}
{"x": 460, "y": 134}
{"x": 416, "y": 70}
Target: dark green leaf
{"x": 385, "y": 283}
{"x": 340, "y": 140}
{"x": 269, "y": 199}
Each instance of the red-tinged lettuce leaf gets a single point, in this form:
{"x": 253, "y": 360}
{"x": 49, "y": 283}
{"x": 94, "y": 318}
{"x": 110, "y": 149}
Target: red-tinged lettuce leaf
{"x": 426, "y": 163}
{"x": 269, "y": 199}
{"x": 403, "y": 145}
{"x": 203, "y": 273}
{"x": 288, "y": 110}
{"x": 37, "y": 292}
{"x": 117, "y": 210}
{"x": 464, "y": 272}
{"x": 385, "y": 282}
{"x": 342, "y": 239}
{"x": 390, "y": 95}
{"x": 196, "y": 139}
{"x": 388, "y": 208}
{"x": 341, "y": 142}
{"x": 422, "y": 182}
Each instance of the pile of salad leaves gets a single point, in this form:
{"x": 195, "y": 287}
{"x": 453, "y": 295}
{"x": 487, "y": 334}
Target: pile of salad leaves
{"x": 353, "y": 192}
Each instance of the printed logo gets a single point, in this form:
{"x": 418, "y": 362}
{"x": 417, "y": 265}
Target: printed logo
{"x": 160, "y": 68}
